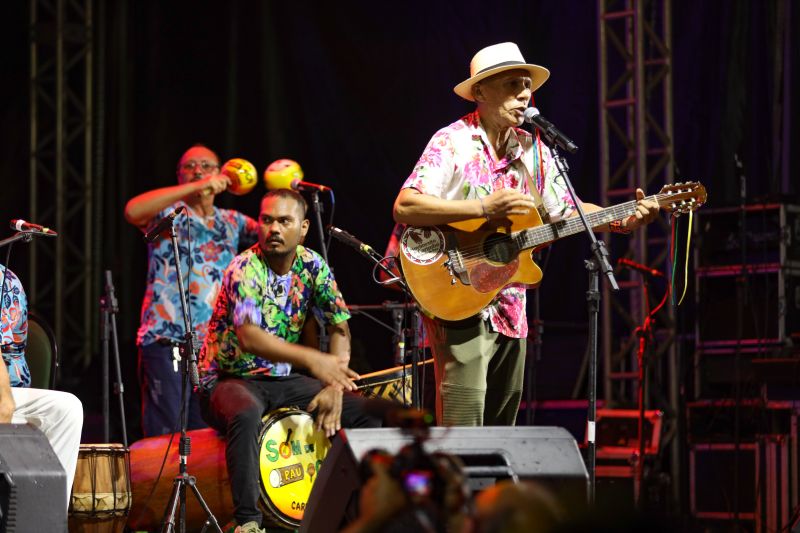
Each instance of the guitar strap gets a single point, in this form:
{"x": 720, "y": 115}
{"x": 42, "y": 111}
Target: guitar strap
{"x": 527, "y": 164}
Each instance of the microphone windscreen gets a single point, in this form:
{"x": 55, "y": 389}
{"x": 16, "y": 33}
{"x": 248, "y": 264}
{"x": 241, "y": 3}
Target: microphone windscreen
{"x": 282, "y": 173}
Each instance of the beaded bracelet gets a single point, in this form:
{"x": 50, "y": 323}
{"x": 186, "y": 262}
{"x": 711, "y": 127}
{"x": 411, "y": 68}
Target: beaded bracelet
{"x": 483, "y": 209}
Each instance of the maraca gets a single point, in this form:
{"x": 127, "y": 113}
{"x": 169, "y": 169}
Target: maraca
{"x": 283, "y": 174}
{"x": 242, "y": 174}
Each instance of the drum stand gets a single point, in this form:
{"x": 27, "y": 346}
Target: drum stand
{"x": 176, "y": 507}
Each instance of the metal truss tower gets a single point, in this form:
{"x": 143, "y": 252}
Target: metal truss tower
{"x": 62, "y": 270}
{"x": 636, "y": 133}
{"x": 636, "y": 152}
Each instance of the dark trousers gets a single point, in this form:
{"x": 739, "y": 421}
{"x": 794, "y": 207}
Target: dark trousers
{"x": 235, "y": 407}
{"x": 161, "y": 392}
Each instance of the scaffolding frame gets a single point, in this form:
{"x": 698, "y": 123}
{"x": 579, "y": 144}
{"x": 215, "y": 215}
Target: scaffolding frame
{"x": 636, "y": 133}
{"x": 61, "y": 283}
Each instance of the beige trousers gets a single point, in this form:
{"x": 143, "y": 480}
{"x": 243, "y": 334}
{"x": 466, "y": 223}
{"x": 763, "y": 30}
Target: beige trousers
{"x": 57, "y": 414}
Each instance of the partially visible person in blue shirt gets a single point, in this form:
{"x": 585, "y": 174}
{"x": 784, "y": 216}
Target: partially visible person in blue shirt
{"x": 208, "y": 239}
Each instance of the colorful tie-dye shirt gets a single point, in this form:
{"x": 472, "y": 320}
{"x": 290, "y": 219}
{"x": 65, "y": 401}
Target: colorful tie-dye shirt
{"x": 213, "y": 241}
{"x": 253, "y": 294}
{"x": 459, "y": 164}
{"x": 14, "y": 329}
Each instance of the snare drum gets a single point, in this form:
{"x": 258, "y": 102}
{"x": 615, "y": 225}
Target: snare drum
{"x": 291, "y": 451}
{"x": 392, "y": 384}
{"x": 101, "y": 491}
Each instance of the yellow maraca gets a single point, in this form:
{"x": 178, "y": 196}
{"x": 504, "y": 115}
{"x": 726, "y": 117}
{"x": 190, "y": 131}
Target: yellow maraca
{"x": 283, "y": 174}
{"x": 242, "y": 174}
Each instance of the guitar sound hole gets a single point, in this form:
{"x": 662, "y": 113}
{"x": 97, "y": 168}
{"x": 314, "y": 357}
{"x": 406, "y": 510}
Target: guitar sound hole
{"x": 499, "y": 248}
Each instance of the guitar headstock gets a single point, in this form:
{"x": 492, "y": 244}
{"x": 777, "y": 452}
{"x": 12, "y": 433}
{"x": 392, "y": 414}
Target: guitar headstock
{"x": 680, "y": 198}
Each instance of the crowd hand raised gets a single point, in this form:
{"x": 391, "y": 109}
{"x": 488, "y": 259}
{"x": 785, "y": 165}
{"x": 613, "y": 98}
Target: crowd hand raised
{"x": 503, "y": 202}
{"x": 331, "y": 370}
{"x": 328, "y": 404}
{"x": 646, "y": 211}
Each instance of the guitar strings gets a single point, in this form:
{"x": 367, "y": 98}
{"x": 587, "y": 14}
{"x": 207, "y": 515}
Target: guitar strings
{"x": 472, "y": 253}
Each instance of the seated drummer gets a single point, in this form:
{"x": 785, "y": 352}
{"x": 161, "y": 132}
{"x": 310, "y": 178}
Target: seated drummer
{"x": 267, "y": 293}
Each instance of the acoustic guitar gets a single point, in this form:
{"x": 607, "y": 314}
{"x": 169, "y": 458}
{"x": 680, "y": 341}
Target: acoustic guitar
{"x": 456, "y": 270}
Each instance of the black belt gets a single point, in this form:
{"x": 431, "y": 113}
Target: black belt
{"x": 163, "y": 341}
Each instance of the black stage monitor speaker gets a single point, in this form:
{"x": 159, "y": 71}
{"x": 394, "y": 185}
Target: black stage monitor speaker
{"x": 548, "y": 455}
{"x": 33, "y": 484}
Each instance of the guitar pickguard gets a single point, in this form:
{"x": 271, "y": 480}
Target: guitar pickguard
{"x": 486, "y": 277}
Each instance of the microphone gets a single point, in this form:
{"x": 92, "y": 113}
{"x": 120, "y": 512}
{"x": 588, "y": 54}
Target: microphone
{"x": 306, "y": 185}
{"x": 644, "y": 269}
{"x": 162, "y": 224}
{"x": 550, "y": 132}
{"x": 28, "y": 227}
{"x": 276, "y": 181}
{"x": 343, "y": 236}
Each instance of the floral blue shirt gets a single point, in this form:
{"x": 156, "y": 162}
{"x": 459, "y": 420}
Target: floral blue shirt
{"x": 213, "y": 241}
{"x": 14, "y": 329}
{"x": 253, "y": 294}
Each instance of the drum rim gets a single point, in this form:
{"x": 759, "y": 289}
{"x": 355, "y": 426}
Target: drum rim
{"x": 278, "y": 516}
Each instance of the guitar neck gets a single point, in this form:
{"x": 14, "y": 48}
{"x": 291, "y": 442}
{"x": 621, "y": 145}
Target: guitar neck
{"x": 539, "y": 235}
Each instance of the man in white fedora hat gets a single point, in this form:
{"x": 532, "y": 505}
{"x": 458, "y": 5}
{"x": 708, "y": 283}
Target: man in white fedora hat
{"x": 485, "y": 165}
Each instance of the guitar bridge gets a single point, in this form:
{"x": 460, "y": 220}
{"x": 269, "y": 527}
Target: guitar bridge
{"x": 455, "y": 265}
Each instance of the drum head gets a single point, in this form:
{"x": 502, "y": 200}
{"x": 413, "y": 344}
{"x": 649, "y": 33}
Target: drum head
{"x": 291, "y": 451}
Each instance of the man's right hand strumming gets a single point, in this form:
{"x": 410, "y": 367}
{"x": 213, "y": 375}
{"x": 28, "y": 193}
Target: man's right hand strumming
{"x": 504, "y": 202}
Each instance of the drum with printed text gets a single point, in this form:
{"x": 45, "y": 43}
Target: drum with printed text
{"x": 291, "y": 451}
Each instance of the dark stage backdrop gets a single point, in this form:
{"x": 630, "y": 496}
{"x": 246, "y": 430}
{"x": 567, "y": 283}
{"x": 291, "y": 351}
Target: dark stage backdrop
{"x": 353, "y": 91}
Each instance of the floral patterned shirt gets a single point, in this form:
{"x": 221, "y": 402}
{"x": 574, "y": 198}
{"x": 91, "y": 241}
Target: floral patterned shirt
{"x": 14, "y": 329}
{"x": 213, "y": 242}
{"x": 459, "y": 164}
{"x": 253, "y": 294}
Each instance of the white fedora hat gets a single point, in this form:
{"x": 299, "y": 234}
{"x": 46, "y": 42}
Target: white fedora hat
{"x": 495, "y": 59}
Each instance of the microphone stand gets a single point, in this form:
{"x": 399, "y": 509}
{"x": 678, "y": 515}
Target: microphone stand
{"x": 533, "y": 361}
{"x": 415, "y": 346}
{"x": 595, "y": 265}
{"x": 644, "y": 333}
{"x": 177, "y": 500}
{"x": 323, "y": 250}
{"x": 109, "y": 307}
{"x": 25, "y": 236}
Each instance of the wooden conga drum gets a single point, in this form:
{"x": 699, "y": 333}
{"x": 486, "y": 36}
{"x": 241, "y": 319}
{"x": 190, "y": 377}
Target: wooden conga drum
{"x": 206, "y": 463}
